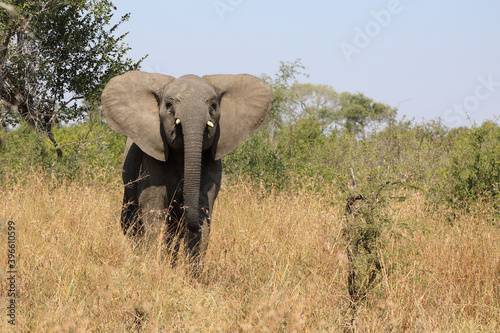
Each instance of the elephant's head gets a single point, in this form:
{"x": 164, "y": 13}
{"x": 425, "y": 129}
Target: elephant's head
{"x": 160, "y": 113}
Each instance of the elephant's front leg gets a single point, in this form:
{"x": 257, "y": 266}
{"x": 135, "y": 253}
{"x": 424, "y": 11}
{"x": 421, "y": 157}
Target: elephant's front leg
{"x": 197, "y": 243}
{"x": 174, "y": 231}
{"x": 130, "y": 223}
{"x": 154, "y": 216}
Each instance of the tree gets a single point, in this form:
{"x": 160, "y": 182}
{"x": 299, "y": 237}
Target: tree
{"x": 284, "y": 78}
{"x": 319, "y": 101}
{"x": 53, "y": 54}
{"x": 354, "y": 112}
{"x": 358, "y": 111}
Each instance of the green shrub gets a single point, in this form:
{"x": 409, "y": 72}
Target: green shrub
{"x": 92, "y": 142}
{"x": 473, "y": 171}
{"x": 300, "y": 147}
{"x": 90, "y": 150}
{"x": 455, "y": 166}
{"x": 257, "y": 159}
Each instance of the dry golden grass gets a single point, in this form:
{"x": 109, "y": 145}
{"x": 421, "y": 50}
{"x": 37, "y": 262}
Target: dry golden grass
{"x": 276, "y": 263}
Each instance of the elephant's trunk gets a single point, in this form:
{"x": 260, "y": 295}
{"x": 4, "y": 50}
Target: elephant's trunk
{"x": 193, "y": 145}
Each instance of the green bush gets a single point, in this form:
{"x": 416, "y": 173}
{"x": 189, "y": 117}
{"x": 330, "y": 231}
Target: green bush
{"x": 258, "y": 160}
{"x": 93, "y": 142}
{"x": 455, "y": 166}
{"x": 298, "y": 146}
{"x": 21, "y": 149}
{"x": 90, "y": 151}
{"x": 473, "y": 171}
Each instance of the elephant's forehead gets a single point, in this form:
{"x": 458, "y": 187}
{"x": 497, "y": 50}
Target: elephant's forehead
{"x": 190, "y": 86}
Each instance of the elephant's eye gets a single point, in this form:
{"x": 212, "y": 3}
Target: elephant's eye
{"x": 213, "y": 108}
{"x": 169, "y": 106}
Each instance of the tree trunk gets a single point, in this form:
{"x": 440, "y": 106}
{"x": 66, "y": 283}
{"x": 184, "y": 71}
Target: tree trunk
{"x": 53, "y": 140}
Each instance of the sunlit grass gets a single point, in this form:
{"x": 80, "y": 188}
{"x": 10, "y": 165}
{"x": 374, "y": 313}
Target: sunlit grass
{"x": 276, "y": 262}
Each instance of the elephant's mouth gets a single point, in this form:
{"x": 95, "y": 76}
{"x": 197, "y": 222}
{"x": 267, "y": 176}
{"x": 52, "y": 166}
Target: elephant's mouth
{"x": 175, "y": 136}
{"x": 177, "y": 143}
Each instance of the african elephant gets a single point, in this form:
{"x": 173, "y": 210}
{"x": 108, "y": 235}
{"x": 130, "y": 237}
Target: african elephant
{"x": 178, "y": 130}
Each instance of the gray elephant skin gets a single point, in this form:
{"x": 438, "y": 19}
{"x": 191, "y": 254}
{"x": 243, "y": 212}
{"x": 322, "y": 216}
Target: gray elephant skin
{"x": 177, "y": 132}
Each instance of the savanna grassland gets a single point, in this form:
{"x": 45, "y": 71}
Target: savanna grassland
{"x": 338, "y": 216}
{"x": 325, "y": 223}
{"x": 276, "y": 263}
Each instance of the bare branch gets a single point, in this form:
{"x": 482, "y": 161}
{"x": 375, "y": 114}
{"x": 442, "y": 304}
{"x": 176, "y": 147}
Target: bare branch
{"x": 74, "y": 98}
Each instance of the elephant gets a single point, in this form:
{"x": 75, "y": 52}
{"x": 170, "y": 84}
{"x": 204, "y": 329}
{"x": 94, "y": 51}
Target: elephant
{"x": 177, "y": 130}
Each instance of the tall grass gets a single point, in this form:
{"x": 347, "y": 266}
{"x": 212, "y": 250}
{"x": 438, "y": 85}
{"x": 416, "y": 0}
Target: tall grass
{"x": 276, "y": 263}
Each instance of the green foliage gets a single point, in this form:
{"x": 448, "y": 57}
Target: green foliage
{"x": 81, "y": 53}
{"x": 91, "y": 151}
{"x": 54, "y": 54}
{"x": 454, "y": 166}
{"x": 357, "y": 111}
{"x": 293, "y": 101}
{"x": 256, "y": 159}
{"x": 285, "y": 77}
{"x": 362, "y": 232}
{"x": 21, "y": 148}
{"x": 458, "y": 166}
{"x": 92, "y": 142}
{"x": 473, "y": 171}
{"x": 301, "y": 146}
{"x": 320, "y": 101}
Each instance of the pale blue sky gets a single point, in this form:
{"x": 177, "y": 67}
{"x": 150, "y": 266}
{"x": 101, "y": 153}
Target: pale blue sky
{"x": 442, "y": 58}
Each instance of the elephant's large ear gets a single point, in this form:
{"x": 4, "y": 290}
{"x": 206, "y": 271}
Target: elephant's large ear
{"x": 130, "y": 106}
{"x": 244, "y": 108}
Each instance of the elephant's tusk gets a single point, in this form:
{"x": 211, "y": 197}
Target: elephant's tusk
{"x": 210, "y": 124}
{"x": 177, "y": 121}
